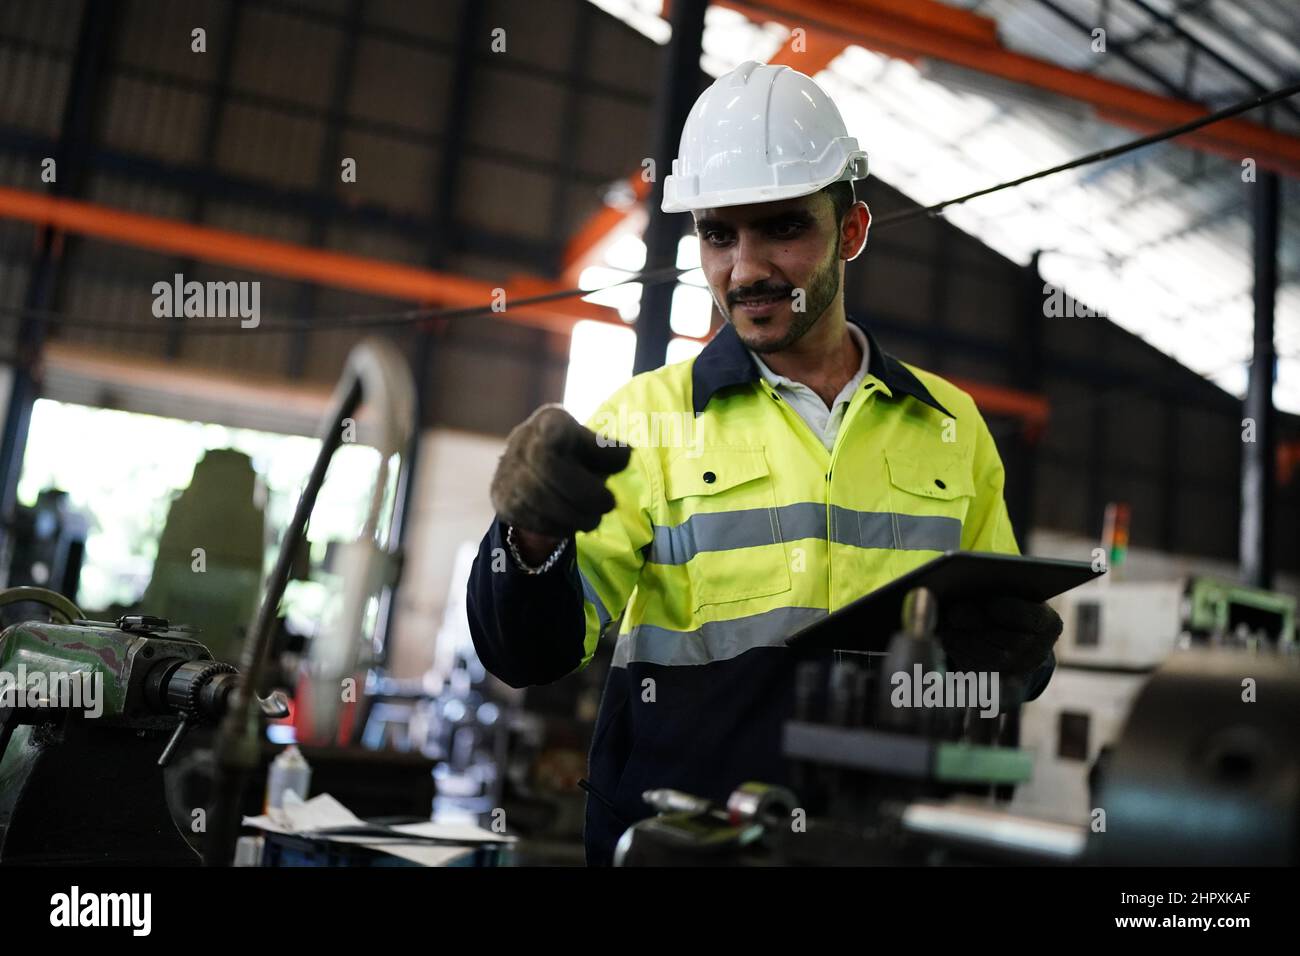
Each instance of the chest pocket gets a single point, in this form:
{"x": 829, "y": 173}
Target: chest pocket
{"x": 931, "y": 496}
{"x": 723, "y": 525}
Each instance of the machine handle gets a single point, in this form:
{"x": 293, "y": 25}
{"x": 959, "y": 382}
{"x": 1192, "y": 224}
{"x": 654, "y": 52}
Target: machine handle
{"x": 53, "y": 600}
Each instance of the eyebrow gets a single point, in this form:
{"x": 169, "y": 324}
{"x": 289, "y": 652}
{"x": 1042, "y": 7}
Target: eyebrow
{"x": 798, "y": 216}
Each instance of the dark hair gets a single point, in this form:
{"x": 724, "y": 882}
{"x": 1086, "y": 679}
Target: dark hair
{"x": 841, "y": 196}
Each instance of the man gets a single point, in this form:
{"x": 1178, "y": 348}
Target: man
{"x": 790, "y": 468}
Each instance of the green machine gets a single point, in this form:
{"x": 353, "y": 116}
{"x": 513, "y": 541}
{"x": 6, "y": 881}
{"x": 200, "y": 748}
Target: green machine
{"x": 91, "y": 714}
{"x": 1223, "y": 609}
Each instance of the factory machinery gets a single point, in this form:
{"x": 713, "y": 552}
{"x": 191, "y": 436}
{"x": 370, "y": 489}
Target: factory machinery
{"x": 95, "y": 765}
{"x": 1204, "y": 768}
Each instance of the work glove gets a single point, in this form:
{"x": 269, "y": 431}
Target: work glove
{"x": 1004, "y": 634}
{"x": 551, "y": 478}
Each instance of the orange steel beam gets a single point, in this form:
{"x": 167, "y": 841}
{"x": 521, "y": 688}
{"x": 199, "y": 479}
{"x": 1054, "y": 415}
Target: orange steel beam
{"x": 937, "y": 17}
{"x": 1032, "y": 410}
{"x": 273, "y": 257}
{"x": 889, "y": 27}
{"x": 1288, "y": 458}
{"x": 932, "y": 16}
{"x": 582, "y": 249}
{"x": 809, "y": 53}
{"x": 374, "y": 276}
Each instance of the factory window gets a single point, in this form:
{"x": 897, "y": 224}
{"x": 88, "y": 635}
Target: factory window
{"x": 600, "y": 354}
{"x": 95, "y": 453}
{"x": 600, "y": 360}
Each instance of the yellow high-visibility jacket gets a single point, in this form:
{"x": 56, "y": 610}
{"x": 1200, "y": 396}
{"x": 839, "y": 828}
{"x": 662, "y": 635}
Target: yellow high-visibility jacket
{"x": 734, "y": 527}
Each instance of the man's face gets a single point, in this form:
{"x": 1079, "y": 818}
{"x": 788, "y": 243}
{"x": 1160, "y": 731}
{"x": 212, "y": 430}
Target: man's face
{"x": 756, "y": 257}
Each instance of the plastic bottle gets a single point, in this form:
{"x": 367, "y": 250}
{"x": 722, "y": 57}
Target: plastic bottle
{"x": 289, "y": 771}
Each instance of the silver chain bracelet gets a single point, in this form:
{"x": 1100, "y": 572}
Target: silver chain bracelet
{"x": 523, "y": 565}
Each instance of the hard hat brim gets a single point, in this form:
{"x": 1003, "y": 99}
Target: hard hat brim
{"x": 854, "y": 169}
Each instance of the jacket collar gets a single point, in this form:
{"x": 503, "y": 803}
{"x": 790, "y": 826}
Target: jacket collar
{"x": 726, "y": 362}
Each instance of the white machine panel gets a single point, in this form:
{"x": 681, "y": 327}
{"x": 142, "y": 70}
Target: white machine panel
{"x": 1065, "y": 729}
{"x": 1120, "y": 624}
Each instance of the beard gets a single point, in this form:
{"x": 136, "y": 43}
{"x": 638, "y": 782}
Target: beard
{"x": 821, "y": 292}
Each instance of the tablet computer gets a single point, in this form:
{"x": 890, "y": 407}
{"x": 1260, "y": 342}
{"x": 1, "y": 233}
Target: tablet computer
{"x": 869, "y": 622}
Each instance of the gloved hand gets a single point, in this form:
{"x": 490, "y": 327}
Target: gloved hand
{"x": 551, "y": 478}
{"x": 1004, "y": 634}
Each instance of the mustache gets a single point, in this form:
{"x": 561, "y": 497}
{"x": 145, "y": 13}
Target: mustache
{"x": 759, "y": 290}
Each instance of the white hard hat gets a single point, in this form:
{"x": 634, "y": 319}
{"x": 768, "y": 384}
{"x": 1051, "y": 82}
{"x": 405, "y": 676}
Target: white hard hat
{"x": 760, "y": 134}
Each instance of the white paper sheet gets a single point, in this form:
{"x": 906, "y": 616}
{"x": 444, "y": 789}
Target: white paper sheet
{"x": 322, "y": 811}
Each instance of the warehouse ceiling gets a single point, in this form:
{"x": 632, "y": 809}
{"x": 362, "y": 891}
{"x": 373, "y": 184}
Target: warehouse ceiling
{"x": 1159, "y": 240}
{"x": 468, "y": 163}
{"x": 495, "y": 182}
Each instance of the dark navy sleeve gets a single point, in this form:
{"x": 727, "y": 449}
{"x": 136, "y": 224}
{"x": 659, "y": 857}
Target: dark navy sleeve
{"x": 527, "y": 628}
